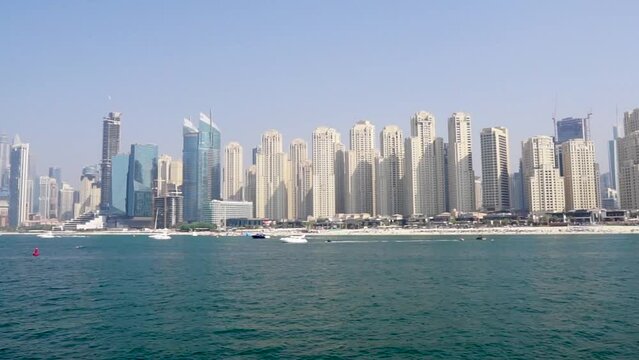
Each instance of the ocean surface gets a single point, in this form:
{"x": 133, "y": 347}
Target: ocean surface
{"x": 517, "y": 297}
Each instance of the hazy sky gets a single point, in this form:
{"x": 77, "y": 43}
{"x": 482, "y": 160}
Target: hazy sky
{"x": 296, "y": 65}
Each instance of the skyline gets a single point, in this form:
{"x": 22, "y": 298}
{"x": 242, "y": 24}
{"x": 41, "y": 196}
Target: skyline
{"x": 336, "y": 68}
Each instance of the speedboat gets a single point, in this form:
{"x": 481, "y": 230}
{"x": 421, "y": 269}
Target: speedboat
{"x": 47, "y": 235}
{"x": 260, "y": 236}
{"x": 480, "y": 238}
{"x": 295, "y": 239}
{"x": 164, "y": 235}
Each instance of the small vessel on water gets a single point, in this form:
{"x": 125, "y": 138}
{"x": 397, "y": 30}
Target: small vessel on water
{"x": 295, "y": 239}
{"x": 36, "y": 252}
{"x": 164, "y": 235}
{"x": 480, "y": 238}
{"x": 47, "y": 235}
{"x": 260, "y": 236}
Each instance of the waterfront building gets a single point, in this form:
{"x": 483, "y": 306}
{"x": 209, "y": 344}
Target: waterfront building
{"x": 271, "y": 199}
{"x": 201, "y": 162}
{"x": 341, "y": 198}
{"x": 90, "y": 191}
{"x": 66, "y": 202}
{"x": 628, "y": 162}
{"x": 298, "y": 155}
{"x": 143, "y": 164}
{"x": 48, "y": 198}
{"x": 110, "y": 147}
{"x": 326, "y": 149}
{"x": 461, "y": 176}
{"x": 390, "y": 174}
{"x": 425, "y": 172}
{"x": 233, "y": 172}
{"x": 478, "y": 194}
{"x": 175, "y": 174}
{"x": 360, "y": 169}
{"x": 119, "y": 183}
{"x": 163, "y": 175}
{"x": 5, "y": 150}
{"x": 18, "y": 184}
{"x": 612, "y": 158}
{"x": 580, "y": 175}
{"x": 543, "y": 185}
{"x": 221, "y": 211}
{"x": 306, "y": 189}
{"x": 169, "y": 210}
{"x": 250, "y": 186}
{"x": 517, "y": 194}
{"x": 495, "y": 169}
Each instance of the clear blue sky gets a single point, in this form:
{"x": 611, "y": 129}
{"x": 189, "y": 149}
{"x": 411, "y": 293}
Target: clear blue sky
{"x": 296, "y": 65}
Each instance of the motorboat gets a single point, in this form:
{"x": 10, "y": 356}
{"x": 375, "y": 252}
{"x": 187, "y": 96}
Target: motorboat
{"x": 164, "y": 235}
{"x": 47, "y": 235}
{"x": 480, "y": 238}
{"x": 260, "y": 236}
{"x": 295, "y": 239}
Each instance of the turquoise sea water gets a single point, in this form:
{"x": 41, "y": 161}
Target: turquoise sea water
{"x": 518, "y": 297}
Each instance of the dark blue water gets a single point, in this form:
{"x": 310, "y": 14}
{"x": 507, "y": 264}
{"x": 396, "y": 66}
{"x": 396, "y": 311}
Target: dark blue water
{"x": 194, "y": 297}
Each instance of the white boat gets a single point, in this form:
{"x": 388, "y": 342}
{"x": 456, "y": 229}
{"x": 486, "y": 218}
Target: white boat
{"x": 164, "y": 235}
{"x": 47, "y": 235}
{"x": 295, "y": 239}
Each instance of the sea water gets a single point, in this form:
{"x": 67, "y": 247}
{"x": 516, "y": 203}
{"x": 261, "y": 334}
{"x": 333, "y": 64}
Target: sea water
{"x": 517, "y": 297}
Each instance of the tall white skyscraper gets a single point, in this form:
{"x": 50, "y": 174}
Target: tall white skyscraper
{"x": 233, "y": 172}
{"x": 543, "y": 185}
{"x": 580, "y": 174}
{"x": 271, "y": 178}
{"x": 66, "y": 202}
{"x": 424, "y": 185}
{"x": 18, "y": 184}
{"x": 298, "y": 156}
{"x": 461, "y": 177}
{"x": 390, "y": 174}
{"x": 48, "y": 197}
{"x": 628, "y": 155}
{"x": 360, "y": 164}
{"x": 495, "y": 169}
{"x": 326, "y": 145}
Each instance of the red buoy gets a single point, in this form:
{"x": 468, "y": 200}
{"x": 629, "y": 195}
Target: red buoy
{"x": 36, "y": 252}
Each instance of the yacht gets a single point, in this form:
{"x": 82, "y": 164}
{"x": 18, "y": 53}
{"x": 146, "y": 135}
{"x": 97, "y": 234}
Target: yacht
{"x": 47, "y": 235}
{"x": 164, "y": 235}
{"x": 295, "y": 239}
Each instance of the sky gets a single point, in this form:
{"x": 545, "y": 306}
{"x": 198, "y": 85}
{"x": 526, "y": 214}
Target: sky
{"x": 296, "y": 65}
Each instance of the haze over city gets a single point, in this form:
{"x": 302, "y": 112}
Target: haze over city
{"x": 293, "y": 67}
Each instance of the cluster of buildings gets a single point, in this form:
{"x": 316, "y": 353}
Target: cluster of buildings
{"x": 411, "y": 176}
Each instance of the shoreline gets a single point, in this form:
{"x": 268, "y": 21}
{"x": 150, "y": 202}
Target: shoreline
{"x": 541, "y": 230}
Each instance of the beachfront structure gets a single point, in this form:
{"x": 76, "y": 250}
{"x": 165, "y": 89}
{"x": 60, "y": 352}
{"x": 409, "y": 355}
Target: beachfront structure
{"x": 461, "y": 176}
{"x": 220, "y": 211}
{"x": 580, "y": 175}
{"x": 628, "y": 163}
{"x": 325, "y": 151}
{"x": 298, "y": 155}
{"x": 543, "y": 185}
{"x": 18, "y": 184}
{"x": 201, "y": 166}
{"x": 233, "y": 179}
{"x": 424, "y": 172}
{"x": 390, "y": 172}
{"x": 110, "y": 147}
{"x": 271, "y": 193}
{"x": 495, "y": 169}
{"x": 360, "y": 169}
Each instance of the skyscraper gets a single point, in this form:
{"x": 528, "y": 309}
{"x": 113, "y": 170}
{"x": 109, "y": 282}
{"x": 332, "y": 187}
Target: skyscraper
{"x": 250, "y": 186}
{"x": 271, "y": 178}
{"x": 48, "y": 197}
{"x": 66, "y": 202}
{"x": 164, "y": 174}
{"x": 612, "y": 158}
{"x": 5, "y": 150}
{"x": 543, "y": 185}
{"x": 572, "y": 128}
{"x": 90, "y": 191}
{"x": 201, "y": 162}
{"x": 495, "y": 169}
{"x": 143, "y": 164}
{"x": 390, "y": 175}
{"x": 424, "y": 175}
{"x": 18, "y": 184}
{"x": 110, "y": 147}
{"x": 580, "y": 175}
{"x": 119, "y": 183}
{"x": 233, "y": 172}
{"x": 298, "y": 155}
{"x": 360, "y": 165}
{"x": 461, "y": 177}
{"x": 628, "y": 152}
{"x": 326, "y": 145}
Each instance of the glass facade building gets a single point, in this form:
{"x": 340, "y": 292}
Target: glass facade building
{"x": 571, "y": 128}
{"x": 143, "y": 163}
{"x": 110, "y": 148}
{"x": 119, "y": 179}
{"x": 201, "y": 159}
